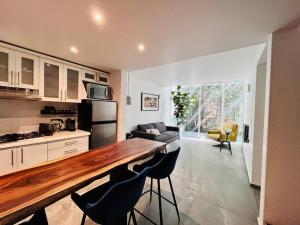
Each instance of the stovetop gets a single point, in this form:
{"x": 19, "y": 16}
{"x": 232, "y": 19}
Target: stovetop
{"x": 18, "y": 136}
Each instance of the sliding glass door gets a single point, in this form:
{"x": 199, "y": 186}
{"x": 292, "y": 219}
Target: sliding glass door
{"x": 217, "y": 103}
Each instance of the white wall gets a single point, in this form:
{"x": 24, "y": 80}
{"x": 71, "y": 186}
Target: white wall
{"x": 280, "y": 199}
{"x": 134, "y": 115}
{"x": 254, "y": 117}
{"x": 25, "y": 116}
{"x": 258, "y": 123}
{"x": 117, "y": 82}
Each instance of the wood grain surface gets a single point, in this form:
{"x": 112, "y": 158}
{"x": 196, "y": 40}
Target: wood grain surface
{"x": 24, "y": 192}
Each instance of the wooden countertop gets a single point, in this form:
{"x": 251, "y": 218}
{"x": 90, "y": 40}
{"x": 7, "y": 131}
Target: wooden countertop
{"x": 24, "y": 192}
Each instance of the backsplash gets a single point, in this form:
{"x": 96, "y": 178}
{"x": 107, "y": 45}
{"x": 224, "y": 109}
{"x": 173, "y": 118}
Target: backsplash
{"x": 25, "y": 116}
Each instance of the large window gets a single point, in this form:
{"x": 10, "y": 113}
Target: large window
{"x": 217, "y": 103}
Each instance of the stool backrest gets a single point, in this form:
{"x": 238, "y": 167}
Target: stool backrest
{"x": 165, "y": 166}
{"x": 118, "y": 200}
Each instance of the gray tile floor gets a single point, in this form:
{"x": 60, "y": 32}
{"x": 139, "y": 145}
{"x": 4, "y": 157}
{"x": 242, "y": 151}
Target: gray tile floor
{"x": 211, "y": 187}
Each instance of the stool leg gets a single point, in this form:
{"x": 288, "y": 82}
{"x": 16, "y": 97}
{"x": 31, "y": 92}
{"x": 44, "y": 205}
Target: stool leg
{"x": 83, "y": 219}
{"x": 229, "y": 145}
{"x": 133, "y": 217}
{"x": 221, "y": 146}
{"x": 159, "y": 202}
{"x": 175, "y": 203}
{"x": 151, "y": 184}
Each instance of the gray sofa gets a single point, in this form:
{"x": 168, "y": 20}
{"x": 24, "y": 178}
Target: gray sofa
{"x": 168, "y": 134}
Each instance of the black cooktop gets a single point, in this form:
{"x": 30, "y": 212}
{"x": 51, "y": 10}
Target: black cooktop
{"x": 18, "y": 136}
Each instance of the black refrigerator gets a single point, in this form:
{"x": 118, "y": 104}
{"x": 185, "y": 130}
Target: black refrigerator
{"x": 100, "y": 118}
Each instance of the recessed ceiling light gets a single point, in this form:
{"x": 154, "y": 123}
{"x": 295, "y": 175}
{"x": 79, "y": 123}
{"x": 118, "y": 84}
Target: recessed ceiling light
{"x": 99, "y": 18}
{"x": 73, "y": 49}
{"x": 141, "y": 47}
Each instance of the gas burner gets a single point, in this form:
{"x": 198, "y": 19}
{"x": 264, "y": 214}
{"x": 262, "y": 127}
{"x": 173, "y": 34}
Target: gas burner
{"x": 18, "y": 136}
{"x": 33, "y": 134}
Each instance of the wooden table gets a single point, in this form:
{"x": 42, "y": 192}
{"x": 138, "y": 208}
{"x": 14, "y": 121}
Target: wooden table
{"x": 25, "y": 192}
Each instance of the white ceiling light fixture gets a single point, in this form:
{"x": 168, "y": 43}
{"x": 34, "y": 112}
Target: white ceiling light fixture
{"x": 141, "y": 47}
{"x": 73, "y": 49}
{"x": 98, "y": 18}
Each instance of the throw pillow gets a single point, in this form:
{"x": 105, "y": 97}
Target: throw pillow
{"x": 155, "y": 131}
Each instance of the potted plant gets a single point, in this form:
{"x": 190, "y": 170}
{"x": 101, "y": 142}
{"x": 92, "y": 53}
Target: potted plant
{"x": 183, "y": 103}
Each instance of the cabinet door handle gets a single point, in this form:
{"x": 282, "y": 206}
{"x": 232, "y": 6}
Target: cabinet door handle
{"x": 71, "y": 151}
{"x": 61, "y": 94}
{"x": 12, "y": 158}
{"x": 18, "y": 78}
{"x": 22, "y": 155}
{"x": 12, "y": 77}
{"x": 70, "y": 142}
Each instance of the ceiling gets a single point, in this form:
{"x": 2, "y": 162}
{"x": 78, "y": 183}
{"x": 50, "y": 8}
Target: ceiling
{"x": 238, "y": 64}
{"x": 171, "y": 30}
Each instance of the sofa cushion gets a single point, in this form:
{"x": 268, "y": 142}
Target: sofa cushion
{"x": 160, "y": 126}
{"x": 171, "y": 134}
{"x": 161, "y": 137}
{"x": 144, "y": 127}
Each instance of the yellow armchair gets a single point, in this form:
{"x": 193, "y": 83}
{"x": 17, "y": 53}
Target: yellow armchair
{"x": 220, "y": 135}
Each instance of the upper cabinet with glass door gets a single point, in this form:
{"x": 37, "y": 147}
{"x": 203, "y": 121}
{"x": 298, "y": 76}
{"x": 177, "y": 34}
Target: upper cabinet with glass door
{"x": 18, "y": 69}
{"x": 72, "y": 84}
{"x": 51, "y": 80}
{"x": 27, "y": 71}
{"x": 7, "y": 67}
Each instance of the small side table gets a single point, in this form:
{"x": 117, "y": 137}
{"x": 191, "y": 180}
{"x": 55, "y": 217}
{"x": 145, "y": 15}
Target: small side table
{"x": 226, "y": 143}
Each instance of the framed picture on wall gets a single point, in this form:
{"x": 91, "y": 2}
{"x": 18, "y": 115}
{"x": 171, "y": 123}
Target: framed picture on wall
{"x": 149, "y": 102}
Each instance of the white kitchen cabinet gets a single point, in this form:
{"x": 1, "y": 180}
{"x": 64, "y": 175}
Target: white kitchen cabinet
{"x": 51, "y": 80}
{"x": 7, "y": 67}
{"x": 68, "y": 147}
{"x": 18, "y": 69}
{"x": 8, "y": 161}
{"x": 103, "y": 78}
{"x": 27, "y": 71}
{"x": 72, "y": 84}
{"x": 60, "y": 82}
{"x": 19, "y": 158}
{"x": 89, "y": 75}
{"x": 30, "y": 155}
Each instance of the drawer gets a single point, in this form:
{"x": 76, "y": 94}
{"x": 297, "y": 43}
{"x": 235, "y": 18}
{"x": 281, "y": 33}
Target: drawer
{"x": 68, "y": 142}
{"x": 67, "y": 151}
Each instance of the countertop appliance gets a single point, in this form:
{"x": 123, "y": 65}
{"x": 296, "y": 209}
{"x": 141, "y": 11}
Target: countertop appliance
{"x": 70, "y": 124}
{"x": 98, "y": 91}
{"x": 18, "y": 136}
{"x": 99, "y": 118}
{"x": 46, "y": 129}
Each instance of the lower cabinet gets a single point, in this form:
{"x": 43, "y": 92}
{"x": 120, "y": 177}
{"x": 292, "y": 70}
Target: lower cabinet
{"x": 19, "y": 158}
{"x": 8, "y": 161}
{"x": 23, "y": 157}
{"x": 69, "y": 147}
{"x": 31, "y": 155}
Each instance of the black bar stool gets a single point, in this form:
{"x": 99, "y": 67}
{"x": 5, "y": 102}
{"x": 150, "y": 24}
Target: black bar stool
{"x": 109, "y": 203}
{"x": 160, "y": 167}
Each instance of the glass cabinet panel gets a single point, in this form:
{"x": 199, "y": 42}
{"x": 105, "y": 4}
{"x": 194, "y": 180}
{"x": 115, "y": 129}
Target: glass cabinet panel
{"x": 4, "y": 66}
{"x": 27, "y": 71}
{"x": 72, "y": 84}
{"x": 51, "y": 80}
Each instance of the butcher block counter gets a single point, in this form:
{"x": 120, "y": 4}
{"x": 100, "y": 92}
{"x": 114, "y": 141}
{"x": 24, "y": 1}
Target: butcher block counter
{"x": 25, "y": 192}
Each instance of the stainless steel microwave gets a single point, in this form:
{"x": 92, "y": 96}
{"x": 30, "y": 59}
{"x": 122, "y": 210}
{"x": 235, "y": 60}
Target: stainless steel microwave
{"x": 98, "y": 91}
